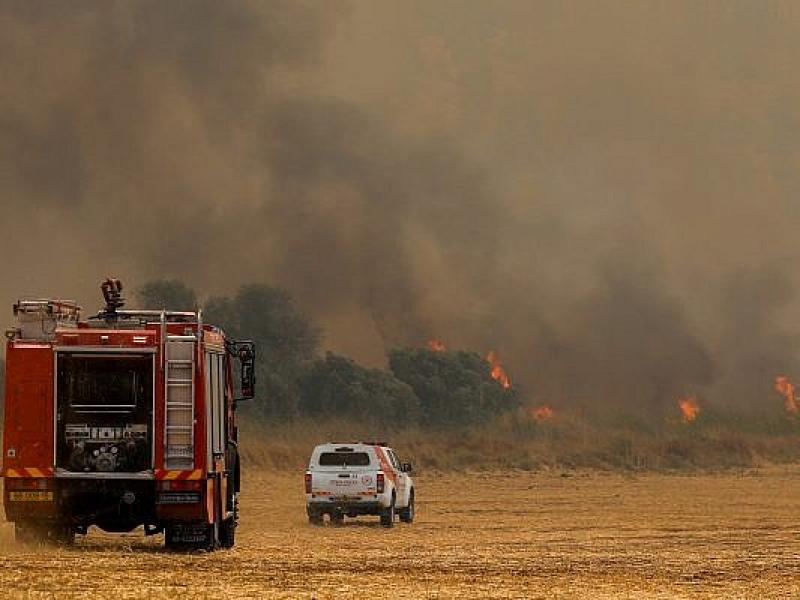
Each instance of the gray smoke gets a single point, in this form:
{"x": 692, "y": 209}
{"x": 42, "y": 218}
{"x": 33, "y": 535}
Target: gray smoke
{"x": 605, "y": 193}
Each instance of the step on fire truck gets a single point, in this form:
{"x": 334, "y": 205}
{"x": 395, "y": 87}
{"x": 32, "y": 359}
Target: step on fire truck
{"x": 125, "y": 419}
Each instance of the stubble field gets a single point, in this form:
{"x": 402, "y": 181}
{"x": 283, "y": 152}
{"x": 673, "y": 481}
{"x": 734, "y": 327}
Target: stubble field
{"x": 497, "y": 535}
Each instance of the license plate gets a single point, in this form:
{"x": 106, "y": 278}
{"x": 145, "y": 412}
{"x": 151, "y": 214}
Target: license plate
{"x": 30, "y": 496}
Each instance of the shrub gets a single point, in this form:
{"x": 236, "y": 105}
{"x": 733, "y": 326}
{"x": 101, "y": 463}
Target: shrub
{"x": 454, "y": 388}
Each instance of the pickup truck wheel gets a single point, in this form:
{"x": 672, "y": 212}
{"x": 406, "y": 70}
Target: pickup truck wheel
{"x": 407, "y": 513}
{"x": 387, "y": 514}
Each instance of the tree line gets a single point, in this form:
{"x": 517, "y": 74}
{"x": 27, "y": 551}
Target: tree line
{"x": 296, "y": 379}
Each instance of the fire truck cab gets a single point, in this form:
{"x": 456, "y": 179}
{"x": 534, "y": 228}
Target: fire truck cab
{"x": 123, "y": 420}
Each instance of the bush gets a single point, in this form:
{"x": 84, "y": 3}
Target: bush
{"x": 454, "y": 388}
{"x": 338, "y": 387}
{"x": 285, "y": 341}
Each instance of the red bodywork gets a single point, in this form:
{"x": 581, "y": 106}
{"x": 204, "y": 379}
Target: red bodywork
{"x": 30, "y": 445}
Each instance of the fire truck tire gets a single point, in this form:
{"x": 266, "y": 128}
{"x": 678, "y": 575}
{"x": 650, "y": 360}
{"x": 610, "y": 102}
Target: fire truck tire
{"x": 63, "y": 535}
{"x": 170, "y": 541}
{"x": 407, "y": 513}
{"x": 227, "y": 529}
{"x": 227, "y": 533}
{"x": 33, "y": 532}
{"x": 26, "y": 532}
{"x": 315, "y": 518}
{"x": 387, "y": 515}
{"x": 337, "y": 519}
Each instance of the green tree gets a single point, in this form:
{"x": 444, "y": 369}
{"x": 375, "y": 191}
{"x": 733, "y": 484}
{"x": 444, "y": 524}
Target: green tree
{"x": 169, "y": 294}
{"x": 285, "y": 341}
{"x": 336, "y": 386}
{"x": 454, "y": 388}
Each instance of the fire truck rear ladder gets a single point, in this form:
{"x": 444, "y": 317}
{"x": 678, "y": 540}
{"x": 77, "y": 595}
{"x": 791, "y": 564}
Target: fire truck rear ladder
{"x": 179, "y": 352}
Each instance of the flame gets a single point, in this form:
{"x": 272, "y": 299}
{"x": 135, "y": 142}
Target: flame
{"x": 786, "y": 388}
{"x": 498, "y": 372}
{"x": 436, "y": 345}
{"x": 542, "y": 413}
{"x": 689, "y": 408}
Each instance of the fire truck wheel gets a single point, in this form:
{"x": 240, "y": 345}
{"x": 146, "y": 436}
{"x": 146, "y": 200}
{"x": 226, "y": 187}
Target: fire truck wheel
{"x": 407, "y": 513}
{"x": 32, "y": 532}
{"x": 387, "y": 515}
{"x": 227, "y": 533}
{"x": 170, "y": 539}
{"x": 315, "y": 518}
{"x": 63, "y": 535}
{"x": 337, "y": 519}
{"x": 26, "y": 532}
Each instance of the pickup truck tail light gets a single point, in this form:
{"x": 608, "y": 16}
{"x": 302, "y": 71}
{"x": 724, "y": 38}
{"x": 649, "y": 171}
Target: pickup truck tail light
{"x": 380, "y": 482}
{"x": 308, "y": 483}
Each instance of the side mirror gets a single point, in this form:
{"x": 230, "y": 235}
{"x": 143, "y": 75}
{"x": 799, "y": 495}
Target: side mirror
{"x": 245, "y": 352}
{"x": 406, "y": 468}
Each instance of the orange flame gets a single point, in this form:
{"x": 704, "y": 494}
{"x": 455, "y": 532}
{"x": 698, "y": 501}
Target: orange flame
{"x": 786, "y": 388}
{"x": 543, "y": 413}
{"x": 498, "y": 372}
{"x": 436, "y": 345}
{"x": 689, "y": 408}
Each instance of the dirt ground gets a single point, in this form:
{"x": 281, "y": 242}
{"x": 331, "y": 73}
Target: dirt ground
{"x": 493, "y": 535}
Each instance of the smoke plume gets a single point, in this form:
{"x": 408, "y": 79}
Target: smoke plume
{"x": 605, "y": 193}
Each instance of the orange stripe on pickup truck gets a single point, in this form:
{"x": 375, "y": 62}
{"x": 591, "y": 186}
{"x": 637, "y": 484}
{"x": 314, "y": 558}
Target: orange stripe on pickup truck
{"x": 386, "y": 466}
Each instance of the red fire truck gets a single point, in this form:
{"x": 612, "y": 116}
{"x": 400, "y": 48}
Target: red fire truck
{"x": 122, "y": 420}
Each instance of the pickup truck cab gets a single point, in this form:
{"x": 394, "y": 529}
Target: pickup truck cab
{"x": 358, "y": 479}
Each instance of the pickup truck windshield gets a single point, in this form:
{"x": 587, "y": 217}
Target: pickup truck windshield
{"x": 341, "y": 459}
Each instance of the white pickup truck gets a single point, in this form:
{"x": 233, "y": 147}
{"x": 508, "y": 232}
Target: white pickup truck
{"x": 358, "y": 479}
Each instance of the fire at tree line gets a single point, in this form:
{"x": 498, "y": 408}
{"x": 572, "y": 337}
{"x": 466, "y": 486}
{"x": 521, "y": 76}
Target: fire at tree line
{"x": 423, "y": 386}
{"x": 429, "y": 386}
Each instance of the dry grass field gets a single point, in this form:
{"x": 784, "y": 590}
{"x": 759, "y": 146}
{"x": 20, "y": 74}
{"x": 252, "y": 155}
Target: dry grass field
{"x": 497, "y": 535}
